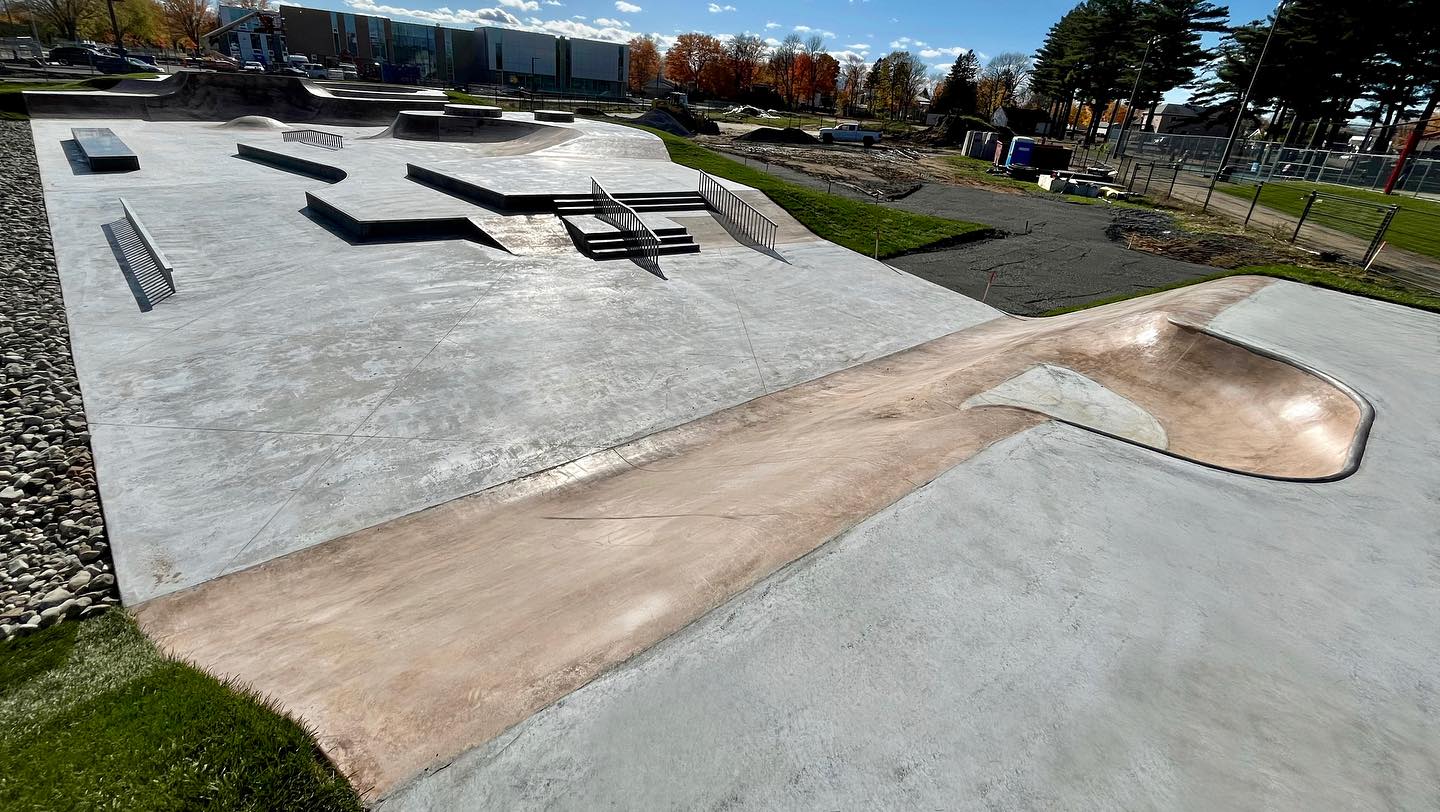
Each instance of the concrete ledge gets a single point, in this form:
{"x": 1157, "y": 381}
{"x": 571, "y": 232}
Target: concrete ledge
{"x": 474, "y": 111}
{"x": 554, "y": 115}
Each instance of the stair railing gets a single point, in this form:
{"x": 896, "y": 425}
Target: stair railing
{"x": 638, "y": 237}
{"x": 747, "y": 219}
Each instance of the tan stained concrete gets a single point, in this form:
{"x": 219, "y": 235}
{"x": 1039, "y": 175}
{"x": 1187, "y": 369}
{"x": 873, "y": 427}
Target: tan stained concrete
{"x": 415, "y": 640}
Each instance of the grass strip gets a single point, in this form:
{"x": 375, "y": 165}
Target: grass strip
{"x": 92, "y": 716}
{"x": 1368, "y": 287}
{"x": 851, "y": 223}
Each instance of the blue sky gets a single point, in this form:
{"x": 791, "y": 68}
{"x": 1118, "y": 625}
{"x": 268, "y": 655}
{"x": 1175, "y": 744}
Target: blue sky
{"x": 937, "y": 31}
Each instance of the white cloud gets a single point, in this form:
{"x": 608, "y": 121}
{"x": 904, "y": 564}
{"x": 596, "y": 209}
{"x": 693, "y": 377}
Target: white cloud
{"x": 805, "y": 29}
{"x": 473, "y": 17}
{"x": 858, "y": 46}
{"x": 772, "y": 26}
{"x": 931, "y": 53}
{"x": 523, "y": 5}
{"x": 844, "y": 56}
{"x": 553, "y": 3}
{"x": 626, "y": 8}
{"x": 772, "y": 42}
{"x": 606, "y": 21}
{"x": 716, "y": 8}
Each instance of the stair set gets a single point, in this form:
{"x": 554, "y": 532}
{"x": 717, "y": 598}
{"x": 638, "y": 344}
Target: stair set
{"x": 599, "y": 240}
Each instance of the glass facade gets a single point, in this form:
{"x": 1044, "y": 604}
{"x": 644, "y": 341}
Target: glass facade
{"x": 415, "y": 45}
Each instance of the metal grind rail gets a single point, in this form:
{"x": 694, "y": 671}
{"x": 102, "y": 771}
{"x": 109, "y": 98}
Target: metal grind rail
{"x": 747, "y": 219}
{"x": 316, "y": 138}
{"x": 639, "y": 238}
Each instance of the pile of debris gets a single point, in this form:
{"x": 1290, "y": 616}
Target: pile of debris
{"x": 748, "y": 111}
{"x": 775, "y": 135}
{"x": 1158, "y": 232}
{"x": 677, "y": 119}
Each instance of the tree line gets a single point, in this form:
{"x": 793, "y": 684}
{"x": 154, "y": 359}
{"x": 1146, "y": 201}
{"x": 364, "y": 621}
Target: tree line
{"x": 1328, "y": 63}
{"x": 175, "y": 24}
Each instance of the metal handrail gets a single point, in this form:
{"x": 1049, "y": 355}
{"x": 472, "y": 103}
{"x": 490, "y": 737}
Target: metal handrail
{"x": 747, "y": 219}
{"x": 318, "y": 138}
{"x": 633, "y": 230}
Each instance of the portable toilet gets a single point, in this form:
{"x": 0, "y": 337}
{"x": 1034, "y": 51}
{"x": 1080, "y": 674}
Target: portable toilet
{"x": 1020, "y": 149}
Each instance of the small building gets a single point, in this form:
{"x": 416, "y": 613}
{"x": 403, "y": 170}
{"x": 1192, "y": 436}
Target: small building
{"x": 1022, "y": 120}
{"x": 250, "y": 35}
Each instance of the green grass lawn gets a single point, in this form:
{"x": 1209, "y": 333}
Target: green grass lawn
{"x": 1355, "y": 282}
{"x": 92, "y": 716}
{"x": 1416, "y": 226}
{"x": 840, "y": 220}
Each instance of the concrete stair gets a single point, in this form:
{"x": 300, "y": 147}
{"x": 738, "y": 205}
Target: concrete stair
{"x": 639, "y": 201}
{"x": 600, "y": 240}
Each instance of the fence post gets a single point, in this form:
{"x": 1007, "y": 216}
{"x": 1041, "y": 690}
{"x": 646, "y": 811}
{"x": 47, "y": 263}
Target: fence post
{"x": 1309, "y": 201}
{"x": 1174, "y": 176}
{"x": 1148, "y": 176}
{"x": 1379, "y": 236}
{"x": 1253, "y": 201}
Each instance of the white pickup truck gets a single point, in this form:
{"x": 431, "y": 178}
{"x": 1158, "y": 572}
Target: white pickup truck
{"x": 849, "y": 131}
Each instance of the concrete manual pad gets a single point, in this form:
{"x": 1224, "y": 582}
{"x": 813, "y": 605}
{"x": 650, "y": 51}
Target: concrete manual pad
{"x": 447, "y": 366}
{"x": 618, "y": 550}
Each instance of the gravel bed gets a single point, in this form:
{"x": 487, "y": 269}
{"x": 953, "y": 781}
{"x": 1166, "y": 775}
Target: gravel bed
{"x": 54, "y": 558}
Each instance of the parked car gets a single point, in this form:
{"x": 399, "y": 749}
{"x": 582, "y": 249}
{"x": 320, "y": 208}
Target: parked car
{"x": 222, "y": 65}
{"x": 849, "y": 131}
{"x": 253, "y": 67}
{"x": 317, "y": 71}
{"x": 349, "y": 74}
{"x": 291, "y": 71}
{"x": 109, "y": 63}
{"x": 74, "y": 55}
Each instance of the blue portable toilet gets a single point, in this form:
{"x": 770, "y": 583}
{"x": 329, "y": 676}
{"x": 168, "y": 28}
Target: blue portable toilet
{"x": 1020, "y": 149}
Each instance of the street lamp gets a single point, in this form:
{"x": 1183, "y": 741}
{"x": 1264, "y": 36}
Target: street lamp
{"x": 1244, "y": 101}
{"x": 1130, "y": 108}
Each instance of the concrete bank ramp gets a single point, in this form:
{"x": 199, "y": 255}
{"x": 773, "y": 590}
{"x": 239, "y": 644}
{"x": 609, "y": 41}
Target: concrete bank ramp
{"x": 519, "y": 137}
{"x": 452, "y": 624}
{"x": 198, "y": 96}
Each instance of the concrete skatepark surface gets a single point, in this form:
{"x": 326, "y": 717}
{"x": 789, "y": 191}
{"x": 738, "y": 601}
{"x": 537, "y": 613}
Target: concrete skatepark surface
{"x": 299, "y": 387}
{"x": 1062, "y": 621}
{"x": 1010, "y": 610}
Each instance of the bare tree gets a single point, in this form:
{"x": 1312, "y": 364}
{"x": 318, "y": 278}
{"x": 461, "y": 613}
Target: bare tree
{"x": 188, "y": 20}
{"x": 65, "y": 15}
{"x": 814, "y": 47}
{"x": 852, "y": 82}
{"x": 746, "y": 52}
{"x": 782, "y": 67}
{"x": 1005, "y": 75}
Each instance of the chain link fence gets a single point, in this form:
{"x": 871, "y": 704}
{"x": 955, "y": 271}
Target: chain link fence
{"x": 1272, "y": 161}
{"x": 1400, "y": 238}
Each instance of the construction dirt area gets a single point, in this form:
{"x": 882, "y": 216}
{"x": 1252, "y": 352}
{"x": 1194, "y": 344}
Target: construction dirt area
{"x": 1051, "y": 251}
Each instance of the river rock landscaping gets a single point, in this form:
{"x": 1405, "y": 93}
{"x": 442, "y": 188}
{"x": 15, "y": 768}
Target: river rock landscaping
{"x": 54, "y": 559}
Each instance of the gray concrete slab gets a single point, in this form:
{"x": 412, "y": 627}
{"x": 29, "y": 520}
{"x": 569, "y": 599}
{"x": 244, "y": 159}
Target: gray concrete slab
{"x": 298, "y": 387}
{"x": 1064, "y": 620}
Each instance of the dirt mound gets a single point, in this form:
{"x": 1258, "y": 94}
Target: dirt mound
{"x": 775, "y": 135}
{"x": 661, "y": 120}
{"x": 1157, "y": 232}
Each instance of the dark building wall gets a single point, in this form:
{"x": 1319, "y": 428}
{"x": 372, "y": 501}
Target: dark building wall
{"x": 308, "y": 31}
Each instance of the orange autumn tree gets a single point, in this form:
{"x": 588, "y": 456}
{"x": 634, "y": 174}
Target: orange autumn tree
{"x": 644, "y": 62}
{"x": 692, "y": 59}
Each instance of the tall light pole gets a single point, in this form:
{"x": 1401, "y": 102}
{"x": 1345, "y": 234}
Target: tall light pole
{"x": 1130, "y": 107}
{"x": 1244, "y": 101}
